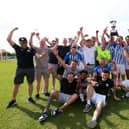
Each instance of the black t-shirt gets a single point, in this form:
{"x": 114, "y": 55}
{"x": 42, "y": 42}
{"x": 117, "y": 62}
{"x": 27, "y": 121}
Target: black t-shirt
{"x": 62, "y": 50}
{"x": 52, "y": 57}
{"x": 103, "y": 87}
{"x": 24, "y": 56}
{"x": 68, "y": 88}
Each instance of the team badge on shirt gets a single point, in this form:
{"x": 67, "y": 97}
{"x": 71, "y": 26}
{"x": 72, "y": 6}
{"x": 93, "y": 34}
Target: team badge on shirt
{"x": 107, "y": 85}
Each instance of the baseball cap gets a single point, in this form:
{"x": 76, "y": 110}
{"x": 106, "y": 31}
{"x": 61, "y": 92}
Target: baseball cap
{"x": 22, "y": 40}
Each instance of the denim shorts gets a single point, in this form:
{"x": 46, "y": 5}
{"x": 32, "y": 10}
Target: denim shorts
{"x": 63, "y": 97}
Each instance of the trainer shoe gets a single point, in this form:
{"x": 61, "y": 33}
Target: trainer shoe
{"x": 37, "y": 96}
{"x": 30, "y": 99}
{"x": 116, "y": 98}
{"x": 56, "y": 112}
{"x": 127, "y": 95}
{"x": 91, "y": 124}
{"x": 46, "y": 94}
{"x": 43, "y": 116}
{"x": 11, "y": 103}
{"x": 87, "y": 108}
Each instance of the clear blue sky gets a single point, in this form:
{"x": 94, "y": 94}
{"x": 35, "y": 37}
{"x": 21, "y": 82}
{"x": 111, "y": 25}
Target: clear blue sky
{"x": 60, "y": 18}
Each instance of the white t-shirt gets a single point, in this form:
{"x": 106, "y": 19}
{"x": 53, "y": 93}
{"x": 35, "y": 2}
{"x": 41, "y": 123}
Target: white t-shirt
{"x": 89, "y": 54}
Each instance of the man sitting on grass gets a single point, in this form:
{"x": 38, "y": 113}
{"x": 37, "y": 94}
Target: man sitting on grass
{"x": 98, "y": 70}
{"x": 67, "y": 95}
{"x": 124, "y": 85}
{"x": 97, "y": 93}
{"x": 82, "y": 85}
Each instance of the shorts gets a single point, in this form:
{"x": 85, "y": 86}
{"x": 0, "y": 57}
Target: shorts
{"x": 114, "y": 72}
{"x": 21, "y": 73}
{"x": 127, "y": 66}
{"x": 125, "y": 83}
{"x": 98, "y": 98}
{"x": 63, "y": 97}
{"x": 41, "y": 71}
{"x": 54, "y": 68}
{"x": 121, "y": 69}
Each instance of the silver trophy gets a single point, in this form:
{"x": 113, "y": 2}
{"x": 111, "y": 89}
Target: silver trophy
{"x": 113, "y": 31}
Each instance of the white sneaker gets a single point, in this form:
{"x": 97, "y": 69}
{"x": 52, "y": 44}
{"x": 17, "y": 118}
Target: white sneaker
{"x": 127, "y": 94}
{"x": 91, "y": 124}
{"x": 43, "y": 117}
{"x": 87, "y": 108}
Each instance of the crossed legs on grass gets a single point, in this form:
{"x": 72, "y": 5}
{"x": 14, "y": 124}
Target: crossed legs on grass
{"x": 71, "y": 100}
{"x": 56, "y": 95}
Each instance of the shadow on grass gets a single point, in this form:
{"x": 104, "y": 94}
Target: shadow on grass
{"x": 114, "y": 112}
{"x": 71, "y": 118}
{"x": 74, "y": 118}
{"x": 32, "y": 114}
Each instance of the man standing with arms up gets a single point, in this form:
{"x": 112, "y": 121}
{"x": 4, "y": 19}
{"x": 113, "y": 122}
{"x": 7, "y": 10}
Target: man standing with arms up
{"x": 41, "y": 68}
{"x": 25, "y": 67}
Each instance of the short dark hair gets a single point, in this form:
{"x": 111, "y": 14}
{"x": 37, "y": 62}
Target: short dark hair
{"x": 106, "y": 71}
{"x": 83, "y": 71}
{"x": 88, "y": 40}
{"x": 74, "y": 61}
{"x": 127, "y": 37}
{"x": 70, "y": 73}
{"x": 73, "y": 47}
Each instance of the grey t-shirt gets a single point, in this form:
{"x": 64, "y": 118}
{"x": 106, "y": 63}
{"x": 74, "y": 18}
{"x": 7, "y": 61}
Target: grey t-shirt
{"x": 43, "y": 61}
{"x": 69, "y": 70}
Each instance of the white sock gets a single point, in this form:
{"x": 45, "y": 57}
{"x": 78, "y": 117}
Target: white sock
{"x": 88, "y": 102}
{"x": 94, "y": 118}
{"x": 82, "y": 97}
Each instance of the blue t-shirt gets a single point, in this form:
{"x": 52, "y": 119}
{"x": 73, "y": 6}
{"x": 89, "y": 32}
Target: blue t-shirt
{"x": 76, "y": 57}
{"x": 99, "y": 69}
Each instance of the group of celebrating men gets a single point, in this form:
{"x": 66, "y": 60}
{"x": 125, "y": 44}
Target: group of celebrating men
{"x": 86, "y": 68}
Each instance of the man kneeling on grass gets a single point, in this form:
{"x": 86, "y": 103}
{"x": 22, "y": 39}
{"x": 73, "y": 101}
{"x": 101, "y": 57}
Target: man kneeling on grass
{"x": 97, "y": 93}
{"x": 67, "y": 95}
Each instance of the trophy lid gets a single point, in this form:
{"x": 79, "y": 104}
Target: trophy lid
{"x": 113, "y": 22}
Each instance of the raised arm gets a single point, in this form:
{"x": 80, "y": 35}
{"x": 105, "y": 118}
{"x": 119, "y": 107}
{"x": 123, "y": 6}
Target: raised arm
{"x": 81, "y": 33}
{"x": 57, "y": 40}
{"x": 103, "y": 40}
{"x": 47, "y": 40}
{"x": 9, "y": 38}
{"x": 76, "y": 38}
{"x": 37, "y": 35}
{"x": 31, "y": 40}
{"x": 55, "y": 52}
{"x": 97, "y": 36}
